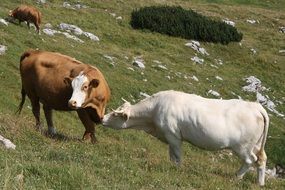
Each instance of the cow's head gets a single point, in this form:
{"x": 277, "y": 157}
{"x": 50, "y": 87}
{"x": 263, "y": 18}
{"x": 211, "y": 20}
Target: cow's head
{"x": 117, "y": 119}
{"x": 11, "y": 13}
{"x": 82, "y": 86}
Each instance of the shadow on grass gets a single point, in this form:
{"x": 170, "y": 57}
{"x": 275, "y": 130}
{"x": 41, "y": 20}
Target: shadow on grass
{"x": 61, "y": 137}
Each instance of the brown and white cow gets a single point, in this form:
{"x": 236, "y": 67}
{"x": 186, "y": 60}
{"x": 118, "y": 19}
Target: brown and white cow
{"x": 60, "y": 82}
{"x": 29, "y": 14}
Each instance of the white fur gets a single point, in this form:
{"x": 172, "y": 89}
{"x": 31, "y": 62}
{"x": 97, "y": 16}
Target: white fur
{"x": 78, "y": 94}
{"x": 210, "y": 124}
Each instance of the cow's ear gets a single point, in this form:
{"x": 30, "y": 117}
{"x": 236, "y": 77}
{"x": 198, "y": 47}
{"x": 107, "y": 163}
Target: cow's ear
{"x": 94, "y": 83}
{"x": 67, "y": 80}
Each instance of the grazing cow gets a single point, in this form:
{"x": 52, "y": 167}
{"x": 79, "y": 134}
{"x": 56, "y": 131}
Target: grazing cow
{"x": 28, "y": 14}
{"x": 62, "y": 83}
{"x": 209, "y": 124}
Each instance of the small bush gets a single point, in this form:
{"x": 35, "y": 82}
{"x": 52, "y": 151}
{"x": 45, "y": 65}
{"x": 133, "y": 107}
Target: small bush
{"x": 175, "y": 21}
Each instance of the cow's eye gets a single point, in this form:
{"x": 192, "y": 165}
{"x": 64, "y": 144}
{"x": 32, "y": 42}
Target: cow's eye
{"x": 115, "y": 114}
{"x": 85, "y": 87}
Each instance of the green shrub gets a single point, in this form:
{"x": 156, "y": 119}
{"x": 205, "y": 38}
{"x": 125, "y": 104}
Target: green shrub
{"x": 175, "y": 21}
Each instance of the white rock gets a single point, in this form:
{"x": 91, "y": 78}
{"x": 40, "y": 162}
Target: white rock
{"x": 3, "y": 21}
{"x": 66, "y": 5}
{"x": 251, "y": 21}
{"x": 80, "y": 6}
{"x": 253, "y": 50}
{"x": 254, "y": 85}
{"x": 48, "y": 25}
{"x": 196, "y": 43}
{"x": 119, "y": 18}
{"x": 229, "y": 22}
{"x": 50, "y": 32}
{"x": 271, "y": 173}
{"x": 214, "y": 66}
{"x": 197, "y": 60}
{"x": 3, "y": 49}
{"x": 41, "y": 1}
{"x": 109, "y": 57}
{"x": 113, "y": 14}
{"x": 69, "y": 27}
{"x": 282, "y": 29}
{"x": 195, "y": 78}
{"x": 162, "y": 67}
{"x": 282, "y": 51}
{"x": 144, "y": 94}
{"x": 214, "y": 93}
{"x": 219, "y": 61}
{"x": 130, "y": 68}
{"x": 260, "y": 98}
{"x": 139, "y": 63}
{"x": 196, "y": 46}
{"x": 67, "y": 35}
{"x": 218, "y": 78}
{"x": 91, "y": 36}
{"x": 203, "y": 51}
{"x": 156, "y": 61}
{"x": 7, "y": 143}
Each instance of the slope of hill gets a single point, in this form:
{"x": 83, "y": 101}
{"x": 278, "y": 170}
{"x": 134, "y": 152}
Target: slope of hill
{"x": 133, "y": 159}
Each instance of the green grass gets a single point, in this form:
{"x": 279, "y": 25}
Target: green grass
{"x": 133, "y": 159}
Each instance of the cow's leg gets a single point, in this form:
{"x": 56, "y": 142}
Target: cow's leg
{"x": 174, "y": 149}
{"x": 36, "y": 111}
{"x": 248, "y": 158}
{"x": 88, "y": 124}
{"x": 261, "y": 165}
{"x": 38, "y": 27}
{"x": 48, "y": 115}
{"x": 243, "y": 169}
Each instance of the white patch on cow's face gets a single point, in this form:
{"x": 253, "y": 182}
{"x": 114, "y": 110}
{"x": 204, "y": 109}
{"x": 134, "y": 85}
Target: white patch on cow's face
{"x": 79, "y": 94}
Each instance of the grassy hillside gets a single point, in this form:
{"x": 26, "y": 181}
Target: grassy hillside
{"x": 133, "y": 159}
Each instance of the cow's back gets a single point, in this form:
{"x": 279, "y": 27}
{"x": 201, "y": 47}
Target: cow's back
{"x": 27, "y": 13}
{"x": 221, "y": 122}
{"x": 43, "y": 75}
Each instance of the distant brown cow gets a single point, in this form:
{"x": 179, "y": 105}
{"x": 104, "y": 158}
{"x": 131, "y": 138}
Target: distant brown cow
{"x": 60, "y": 82}
{"x": 27, "y": 13}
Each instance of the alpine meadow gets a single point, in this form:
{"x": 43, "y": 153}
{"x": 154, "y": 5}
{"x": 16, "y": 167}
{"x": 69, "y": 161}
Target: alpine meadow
{"x": 137, "y": 63}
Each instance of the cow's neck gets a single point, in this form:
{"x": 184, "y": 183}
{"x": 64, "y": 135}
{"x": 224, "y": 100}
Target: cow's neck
{"x": 140, "y": 116}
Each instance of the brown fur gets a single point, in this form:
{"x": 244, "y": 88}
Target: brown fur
{"x": 29, "y": 14}
{"x": 44, "y": 76}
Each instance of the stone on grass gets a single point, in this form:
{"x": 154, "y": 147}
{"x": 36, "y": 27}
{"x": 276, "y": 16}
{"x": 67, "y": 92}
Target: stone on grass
{"x": 3, "y": 21}
{"x": 197, "y": 60}
{"x": 3, "y": 49}
{"x": 214, "y": 93}
{"x": 232, "y": 23}
{"x": 7, "y": 143}
{"x": 139, "y": 62}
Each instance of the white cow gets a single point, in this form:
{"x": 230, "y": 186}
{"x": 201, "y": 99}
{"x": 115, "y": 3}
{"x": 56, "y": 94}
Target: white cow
{"x": 210, "y": 124}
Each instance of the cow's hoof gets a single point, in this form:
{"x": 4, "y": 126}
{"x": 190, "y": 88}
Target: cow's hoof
{"x": 89, "y": 136}
{"x": 51, "y": 131}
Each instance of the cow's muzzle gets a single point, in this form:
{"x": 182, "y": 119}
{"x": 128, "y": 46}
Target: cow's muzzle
{"x": 73, "y": 104}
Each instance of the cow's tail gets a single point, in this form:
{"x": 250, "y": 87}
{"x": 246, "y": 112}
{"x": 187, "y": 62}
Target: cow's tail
{"x": 266, "y": 126}
{"x": 261, "y": 155}
{"x": 23, "y": 92}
